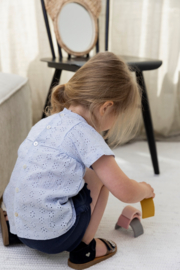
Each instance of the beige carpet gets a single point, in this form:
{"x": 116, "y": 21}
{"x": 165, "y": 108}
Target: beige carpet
{"x": 159, "y": 246}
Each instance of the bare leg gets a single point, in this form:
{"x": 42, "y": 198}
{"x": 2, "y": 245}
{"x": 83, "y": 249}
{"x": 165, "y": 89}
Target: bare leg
{"x": 99, "y": 195}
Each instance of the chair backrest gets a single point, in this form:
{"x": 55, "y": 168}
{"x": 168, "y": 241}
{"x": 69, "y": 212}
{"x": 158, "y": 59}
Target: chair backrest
{"x": 59, "y": 47}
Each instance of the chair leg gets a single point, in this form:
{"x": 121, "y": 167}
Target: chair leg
{"x": 148, "y": 122}
{"x": 54, "y": 82}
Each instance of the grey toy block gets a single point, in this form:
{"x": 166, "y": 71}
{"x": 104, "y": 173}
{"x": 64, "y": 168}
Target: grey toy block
{"x": 137, "y": 227}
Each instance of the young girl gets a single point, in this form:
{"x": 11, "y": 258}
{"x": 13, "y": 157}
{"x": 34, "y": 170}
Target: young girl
{"x": 59, "y": 187}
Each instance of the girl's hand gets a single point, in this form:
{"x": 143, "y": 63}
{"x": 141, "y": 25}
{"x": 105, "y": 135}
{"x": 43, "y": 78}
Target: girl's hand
{"x": 149, "y": 191}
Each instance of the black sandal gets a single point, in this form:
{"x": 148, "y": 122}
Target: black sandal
{"x": 83, "y": 256}
{"x": 8, "y": 237}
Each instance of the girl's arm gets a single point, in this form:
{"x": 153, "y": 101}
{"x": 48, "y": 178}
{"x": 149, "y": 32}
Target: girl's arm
{"x": 123, "y": 188}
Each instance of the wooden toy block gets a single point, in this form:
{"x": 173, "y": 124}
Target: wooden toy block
{"x": 130, "y": 217}
{"x": 148, "y": 209}
{"x": 128, "y": 213}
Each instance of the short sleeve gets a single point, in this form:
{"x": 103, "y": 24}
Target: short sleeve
{"x": 89, "y": 144}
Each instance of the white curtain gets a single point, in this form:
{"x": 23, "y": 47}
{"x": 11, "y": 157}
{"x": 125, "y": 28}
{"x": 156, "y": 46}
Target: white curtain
{"x": 147, "y": 28}
{"x": 150, "y": 28}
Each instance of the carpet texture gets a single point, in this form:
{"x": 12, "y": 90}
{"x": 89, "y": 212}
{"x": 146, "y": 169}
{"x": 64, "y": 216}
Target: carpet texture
{"x": 158, "y": 248}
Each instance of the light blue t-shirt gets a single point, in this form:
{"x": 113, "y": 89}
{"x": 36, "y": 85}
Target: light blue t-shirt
{"x": 48, "y": 173}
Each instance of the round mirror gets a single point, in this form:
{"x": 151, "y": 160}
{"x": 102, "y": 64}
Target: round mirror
{"x": 76, "y": 29}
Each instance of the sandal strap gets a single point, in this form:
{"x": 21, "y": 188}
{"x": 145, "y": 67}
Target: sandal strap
{"x": 109, "y": 244}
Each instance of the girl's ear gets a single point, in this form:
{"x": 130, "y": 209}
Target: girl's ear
{"x": 104, "y": 108}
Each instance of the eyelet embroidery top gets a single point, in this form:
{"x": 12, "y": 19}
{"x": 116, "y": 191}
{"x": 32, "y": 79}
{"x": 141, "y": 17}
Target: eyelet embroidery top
{"x": 48, "y": 172}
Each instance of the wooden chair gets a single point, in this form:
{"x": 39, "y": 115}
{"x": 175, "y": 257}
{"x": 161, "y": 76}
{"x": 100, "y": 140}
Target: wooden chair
{"x": 136, "y": 64}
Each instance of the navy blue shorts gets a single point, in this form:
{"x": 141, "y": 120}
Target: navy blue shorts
{"x": 71, "y": 239}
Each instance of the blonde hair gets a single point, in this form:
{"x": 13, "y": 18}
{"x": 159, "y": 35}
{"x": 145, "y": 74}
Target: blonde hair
{"x": 105, "y": 77}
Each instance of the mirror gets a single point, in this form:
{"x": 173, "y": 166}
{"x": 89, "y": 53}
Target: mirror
{"x": 76, "y": 27}
{"x": 75, "y": 24}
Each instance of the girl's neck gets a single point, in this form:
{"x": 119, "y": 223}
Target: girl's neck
{"x": 105, "y": 117}
{"x": 82, "y": 112}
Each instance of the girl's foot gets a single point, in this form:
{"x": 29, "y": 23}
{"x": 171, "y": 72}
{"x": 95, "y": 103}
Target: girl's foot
{"x": 85, "y": 256}
{"x": 101, "y": 248}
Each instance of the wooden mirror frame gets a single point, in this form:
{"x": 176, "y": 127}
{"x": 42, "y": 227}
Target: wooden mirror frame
{"x": 54, "y": 8}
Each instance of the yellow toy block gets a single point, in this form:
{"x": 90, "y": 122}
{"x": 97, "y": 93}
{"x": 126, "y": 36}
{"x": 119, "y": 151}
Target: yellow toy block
{"x": 148, "y": 209}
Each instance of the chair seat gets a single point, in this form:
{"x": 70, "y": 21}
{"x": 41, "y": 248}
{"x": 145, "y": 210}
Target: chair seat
{"x": 142, "y": 63}
{"x": 75, "y": 63}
